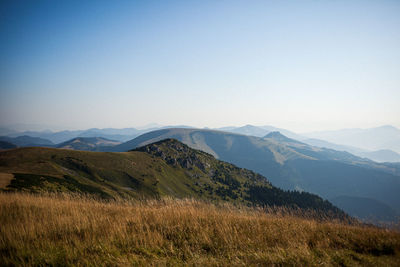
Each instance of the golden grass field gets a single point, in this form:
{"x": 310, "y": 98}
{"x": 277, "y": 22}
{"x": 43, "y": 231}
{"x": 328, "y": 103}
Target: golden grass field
{"x": 72, "y": 230}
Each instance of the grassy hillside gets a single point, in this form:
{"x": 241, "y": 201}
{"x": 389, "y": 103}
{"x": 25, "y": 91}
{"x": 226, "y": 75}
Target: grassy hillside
{"x": 290, "y": 164}
{"x": 88, "y": 143}
{"x": 26, "y": 140}
{"x": 68, "y": 231}
{"x": 165, "y": 168}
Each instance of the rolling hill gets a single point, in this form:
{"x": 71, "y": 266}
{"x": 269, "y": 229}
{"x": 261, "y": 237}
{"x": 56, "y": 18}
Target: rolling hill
{"x": 88, "y": 143}
{"x": 63, "y": 136}
{"x": 121, "y": 135}
{"x": 165, "y": 168}
{"x": 290, "y": 164}
{"x": 26, "y": 140}
{"x": 6, "y": 145}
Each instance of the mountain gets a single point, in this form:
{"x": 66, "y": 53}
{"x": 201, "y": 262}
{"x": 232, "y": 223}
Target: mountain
{"x": 248, "y": 130}
{"x": 27, "y": 141}
{"x": 377, "y": 211}
{"x": 63, "y": 136}
{"x": 291, "y": 164}
{"x": 6, "y": 145}
{"x": 121, "y": 135}
{"x": 285, "y": 132}
{"x": 259, "y": 131}
{"x": 384, "y": 137}
{"x": 224, "y": 129}
{"x": 88, "y": 143}
{"x": 277, "y": 136}
{"x": 55, "y": 137}
{"x": 393, "y": 166}
{"x": 326, "y": 144}
{"x": 165, "y": 168}
{"x": 383, "y": 155}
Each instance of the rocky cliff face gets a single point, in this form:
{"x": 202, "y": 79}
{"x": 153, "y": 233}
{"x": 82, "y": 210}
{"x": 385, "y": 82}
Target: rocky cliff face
{"x": 176, "y": 153}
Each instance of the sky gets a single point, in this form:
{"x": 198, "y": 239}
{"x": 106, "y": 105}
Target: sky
{"x": 299, "y": 65}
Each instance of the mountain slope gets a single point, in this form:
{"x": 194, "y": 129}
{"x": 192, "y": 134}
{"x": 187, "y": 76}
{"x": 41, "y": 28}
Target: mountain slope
{"x": 291, "y": 165}
{"x": 6, "y": 145}
{"x": 383, "y": 155}
{"x": 88, "y": 143}
{"x": 63, "y": 136}
{"x": 249, "y": 130}
{"x": 26, "y": 140}
{"x": 384, "y": 137}
{"x": 259, "y": 131}
{"x": 166, "y": 168}
{"x": 376, "y": 213}
{"x": 277, "y": 136}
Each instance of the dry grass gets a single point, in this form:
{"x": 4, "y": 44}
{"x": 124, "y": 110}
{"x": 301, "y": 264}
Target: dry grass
{"x": 45, "y": 230}
{"x": 5, "y": 179}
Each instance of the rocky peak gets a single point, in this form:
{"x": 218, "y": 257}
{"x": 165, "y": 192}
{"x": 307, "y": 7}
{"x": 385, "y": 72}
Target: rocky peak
{"x": 176, "y": 153}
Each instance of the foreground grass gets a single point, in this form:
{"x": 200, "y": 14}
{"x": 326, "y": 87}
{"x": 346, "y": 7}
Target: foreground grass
{"x": 44, "y": 230}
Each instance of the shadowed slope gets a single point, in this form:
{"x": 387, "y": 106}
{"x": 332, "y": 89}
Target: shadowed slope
{"x": 88, "y": 143}
{"x": 165, "y": 168}
{"x": 290, "y": 164}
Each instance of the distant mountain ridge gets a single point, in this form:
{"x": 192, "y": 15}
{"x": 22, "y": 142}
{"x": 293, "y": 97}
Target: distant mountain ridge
{"x": 277, "y": 136}
{"x": 121, "y": 135}
{"x": 27, "y": 141}
{"x": 164, "y": 168}
{"x": 63, "y": 136}
{"x": 379, "y": 154}
{"x": 259, "y": 131}
{"x": 290, "y": 164}
{"x": 366, "y": 208}
{"x": 383, "y": 153}
{"x": 378, "y": 138}
{"x": 6, "y": 145}
{"x": 88, "y": 143}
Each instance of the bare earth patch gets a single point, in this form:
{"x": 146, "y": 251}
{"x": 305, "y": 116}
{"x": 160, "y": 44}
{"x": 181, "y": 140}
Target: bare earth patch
{"x": 5, "y": 179}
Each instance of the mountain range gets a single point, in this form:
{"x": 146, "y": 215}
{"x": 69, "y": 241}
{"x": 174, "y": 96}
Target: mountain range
{"x": 294, "y": 165}
{"x": 384, "y": 137}
{"x": 88, "y": 143}
{"x": 121, "y": 135}
{"x": 26, "y": 140}
{"x": 289, "y": 162}
{"x": 382, "y": 142}
{"x": 164, "y": 168}
{"x": 63, "y": 136}
{"x": 379, "y": 144}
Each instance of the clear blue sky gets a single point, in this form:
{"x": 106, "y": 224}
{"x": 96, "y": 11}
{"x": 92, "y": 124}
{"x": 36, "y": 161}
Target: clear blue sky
{"x": 301, "y": 65}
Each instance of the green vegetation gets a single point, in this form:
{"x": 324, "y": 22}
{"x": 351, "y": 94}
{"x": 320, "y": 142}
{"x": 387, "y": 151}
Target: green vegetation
{"x": 88, "y": 144}
{"x": 290, "y": 164}
{"x": 165, "y": 168}
{"x": 70, "y": 230}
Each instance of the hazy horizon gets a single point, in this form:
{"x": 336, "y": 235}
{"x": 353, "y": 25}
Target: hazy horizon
{"x": 43, "y": 128}
{"x": 299, "y": 65}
